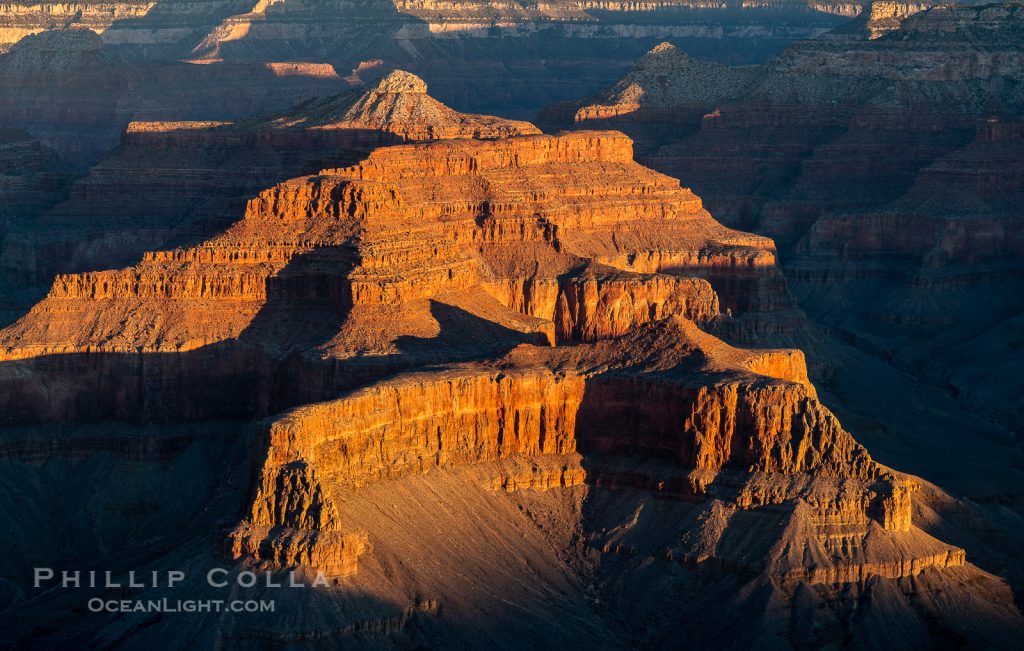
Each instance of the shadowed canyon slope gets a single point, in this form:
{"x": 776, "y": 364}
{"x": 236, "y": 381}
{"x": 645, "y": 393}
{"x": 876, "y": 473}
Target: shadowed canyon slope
{"x": 492, "y": 410}
{"x": 120, "y": 61}
{"x": 76, "y": 94}
{"x": 887, "y": 169}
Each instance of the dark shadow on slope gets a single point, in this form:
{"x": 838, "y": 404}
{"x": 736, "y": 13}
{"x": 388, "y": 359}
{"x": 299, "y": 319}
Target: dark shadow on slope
{"x": 464, "y": 336}
{"x": 201, "y": 187}
{"x": 152, "y": 500}
{"x": 275, "y": 363}
{"x": 78, "y": 94}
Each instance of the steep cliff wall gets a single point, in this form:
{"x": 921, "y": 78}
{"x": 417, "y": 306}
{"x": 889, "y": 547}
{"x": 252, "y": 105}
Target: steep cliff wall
{"x": 593, "y": 306}
{"x": 412, "y": 223}
{"x": 756, "y": 441}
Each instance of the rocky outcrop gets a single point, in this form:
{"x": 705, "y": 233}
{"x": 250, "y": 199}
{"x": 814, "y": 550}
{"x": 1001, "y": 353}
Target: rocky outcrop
{"x": 479, "y": 377}
{"x": 174, "y": 182}
{"x": 880, "y": 163}
{"x": 290, "y": 501}
{"x": 383, "y": 231}
{"x": 422, "y": 422}
{"x": 398, "y": 104}
{"x": 753, "y": 440}
{"x": 595, "y": 306}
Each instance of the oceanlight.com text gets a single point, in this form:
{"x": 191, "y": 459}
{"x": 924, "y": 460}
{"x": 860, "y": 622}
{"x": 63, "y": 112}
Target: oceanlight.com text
{"x": 98, "y": 605}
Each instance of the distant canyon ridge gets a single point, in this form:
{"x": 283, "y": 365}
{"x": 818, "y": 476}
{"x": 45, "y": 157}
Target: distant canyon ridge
{"x": 114, "y": 62}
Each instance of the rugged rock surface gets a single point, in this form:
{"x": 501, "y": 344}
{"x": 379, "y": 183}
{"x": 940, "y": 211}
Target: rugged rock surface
{"x": 178, "y": 182}
{"x": 492, "y": 231}
{"x": 483, "y": 380}
{"x": 493, "y": 57}
{"x": 639, "y": 397}
{"x": 885, "y": 168}
{"x": 77, "y": 95}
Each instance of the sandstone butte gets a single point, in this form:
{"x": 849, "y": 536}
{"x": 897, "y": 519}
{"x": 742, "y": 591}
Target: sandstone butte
{"x": 177, "y": 181}
{"x": 491, "y": 321}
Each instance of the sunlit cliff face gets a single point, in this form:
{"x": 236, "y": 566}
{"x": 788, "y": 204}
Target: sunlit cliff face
{"x": 417, "y": 377}
{"x": 515, "y": 316}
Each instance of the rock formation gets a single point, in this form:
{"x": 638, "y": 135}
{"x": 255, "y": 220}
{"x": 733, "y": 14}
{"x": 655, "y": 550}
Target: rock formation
{"x": 116, "y": 60}
{"x": 565, "y": 229}
{"x": 884, "y": 165}
{"x": 482, "y": 371}
{"x": 45, "y": 74}
{"x": 174, "y": 182}
{"x": 734, "y": 438}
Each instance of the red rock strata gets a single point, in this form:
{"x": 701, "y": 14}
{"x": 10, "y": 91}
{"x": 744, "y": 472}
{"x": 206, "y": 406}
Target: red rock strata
{"x": 510, "y": 217}
{"x": 174, "y": 182}
{"x": 484, "y": 380}
{"x": 754, "y": 438}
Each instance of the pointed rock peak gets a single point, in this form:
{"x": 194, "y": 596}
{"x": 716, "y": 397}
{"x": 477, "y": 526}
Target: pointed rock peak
{"x": 664, "y": 52}
{"x": 662, "y": 56}
{"x": 396, "y": 103}
{"x": 400, "y": 82}
{"x": 662, "y": 47}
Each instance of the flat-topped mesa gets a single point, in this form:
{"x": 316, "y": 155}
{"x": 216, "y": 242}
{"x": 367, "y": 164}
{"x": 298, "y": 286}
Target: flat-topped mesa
{"x": 754, "y": 436}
